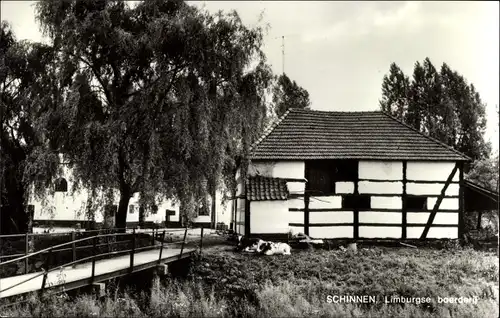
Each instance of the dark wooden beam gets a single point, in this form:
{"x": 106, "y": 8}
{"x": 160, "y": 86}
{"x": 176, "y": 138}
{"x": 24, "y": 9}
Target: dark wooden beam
{"x": 355, "y": 211}
{"x": 247, "y": 218}
{"x": 461, "y": 201}
{"x": 404, "y": 216}
{"x": 307, "y": 195}
{"x": 438, "y": 202}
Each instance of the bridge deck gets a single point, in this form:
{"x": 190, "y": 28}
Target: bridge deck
{"x": 81, "y": 275}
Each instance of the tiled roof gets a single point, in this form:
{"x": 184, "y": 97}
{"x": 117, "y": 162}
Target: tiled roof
{"x": 310, "y": 134}
{"x": 265, "y": 188}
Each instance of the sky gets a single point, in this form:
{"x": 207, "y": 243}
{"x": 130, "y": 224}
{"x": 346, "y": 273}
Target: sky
{"x": 340, "y": 51}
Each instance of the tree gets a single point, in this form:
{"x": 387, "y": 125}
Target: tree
{"x": 485, "y": 173}
{"x": 162, "y": 100}
{"x": 441, "y": 104}
{"x": 27, "y": 84}
{"x": 395, "y": 92}
{"x": 288, "y": 94}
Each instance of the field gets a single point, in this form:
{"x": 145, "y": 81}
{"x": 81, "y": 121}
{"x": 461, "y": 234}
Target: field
{"x": 223, "y": 283}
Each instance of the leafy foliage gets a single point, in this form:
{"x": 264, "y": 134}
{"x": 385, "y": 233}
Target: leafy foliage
{"x": 288, "y": 94}
{"x": 439, "y": 103}
{"x": 28, "y": 86}
{"x": 161, "y": 98}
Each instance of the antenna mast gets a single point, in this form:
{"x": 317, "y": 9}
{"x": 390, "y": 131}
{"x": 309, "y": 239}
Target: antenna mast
{"x": 283, "y": 54}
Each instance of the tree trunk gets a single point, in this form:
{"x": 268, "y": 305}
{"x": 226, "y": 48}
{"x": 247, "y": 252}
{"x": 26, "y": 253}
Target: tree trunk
{"x": 121, "y": 215}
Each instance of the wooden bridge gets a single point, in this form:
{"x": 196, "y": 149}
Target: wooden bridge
{"x": 102, "y": 260}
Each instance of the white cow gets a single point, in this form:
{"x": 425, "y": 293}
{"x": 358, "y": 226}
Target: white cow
{"x": 270, "y": 248}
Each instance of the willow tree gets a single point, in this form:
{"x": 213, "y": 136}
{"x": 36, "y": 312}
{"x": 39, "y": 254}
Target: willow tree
{"x": 28, "y": 86}
{"x": 164, "y": 96}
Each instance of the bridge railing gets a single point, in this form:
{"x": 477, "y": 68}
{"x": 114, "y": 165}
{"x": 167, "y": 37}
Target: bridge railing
{"x": 133, "y": 234}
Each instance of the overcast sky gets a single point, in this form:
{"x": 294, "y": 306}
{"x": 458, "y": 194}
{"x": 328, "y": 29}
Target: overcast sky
{"x": 339, "y": 51}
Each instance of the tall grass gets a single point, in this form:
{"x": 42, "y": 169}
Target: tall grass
{"x": 225, "y": 284}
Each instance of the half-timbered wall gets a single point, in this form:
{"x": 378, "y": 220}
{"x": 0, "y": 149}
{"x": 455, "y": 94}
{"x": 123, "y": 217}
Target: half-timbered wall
{"x": 394, "y": 199}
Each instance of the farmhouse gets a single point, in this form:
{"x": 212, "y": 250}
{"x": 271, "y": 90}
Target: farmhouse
{"x": 350, "y": 175}
{"x": 65, "y": 209}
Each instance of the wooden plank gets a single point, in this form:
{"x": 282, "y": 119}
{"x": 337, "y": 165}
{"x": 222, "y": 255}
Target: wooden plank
{"x": 355, "y": 212}
{"x": 461, "y": 203}
{"x": 438, "y": 202}
{"x": 404, "y": 216}
{"x": 247, "y": 218}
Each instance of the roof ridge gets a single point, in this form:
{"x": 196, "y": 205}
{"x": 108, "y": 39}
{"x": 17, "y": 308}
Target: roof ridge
{"x": 427, "y": 136}
{"x": 335, "y": 111}
{"x": 269, "y": 129}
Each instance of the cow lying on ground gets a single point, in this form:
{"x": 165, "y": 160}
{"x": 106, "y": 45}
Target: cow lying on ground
{"x": 249, "y": 244}
{"x": 271, "y": 248}
{"x": 262, "y": 247}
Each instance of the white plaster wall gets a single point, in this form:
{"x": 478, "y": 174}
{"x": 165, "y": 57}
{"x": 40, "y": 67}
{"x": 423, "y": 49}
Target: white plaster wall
{"x": 380, "y": 217}
{"x": 380, "y": 232}
{"x": 381, "y": 170}
{"x": 296, "y": 203}
{"x": 278, "y": 169}
{"x": 431, "y": 189}
{"x": 330, "y": 202}
{"x": 269, "y": 216}
{"x": 430, "y": 171}
{"x": 296, "y": 187}
{"x": 296, "y": 217}
{"x": 241, "y": 229}
{"x": 368, "y": 187}
{"x": 68, "y": 207}
{"x": 386, "y": 202}
{"x": 326, "y": 232}
{"x": 344, "y": 187}
{"x": 331, "y": 217}
{"x": 414, "y": 232}
{"x": 296, "y": 229}
{"x": 434, "y": 232}
{"x": 443, "y": 232}
{"x": 440, "y": 218}
{"x": 223, "y": 210}
{"x": 446, "y": 203}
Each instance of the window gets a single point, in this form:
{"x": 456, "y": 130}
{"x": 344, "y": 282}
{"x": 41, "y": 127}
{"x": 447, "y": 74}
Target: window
{"x": 416, "y": 203}
{"x": 320, "y": 177}
{"x": 131, "y": 209}
{"x": 346, "y": 170}
{"x": 359, "y": 202}
{"x": 203, "y": 209}
{"x": 322, "y": 174}
{"x": 61, "y": 185}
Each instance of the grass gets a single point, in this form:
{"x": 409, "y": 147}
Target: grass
{"x": 222, "y": 283}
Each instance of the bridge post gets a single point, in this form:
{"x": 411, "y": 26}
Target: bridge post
{"x": 183, "y": 241}
{"x": 201, "y": 239}
{"x": 132, "y": 252}
{"x": 26, "y": 261}
{"x": 93, "y": 258}
{"x": 45, "y": 272}
{"x": 73, "y": 246}
{"x": 161, "y": 248}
